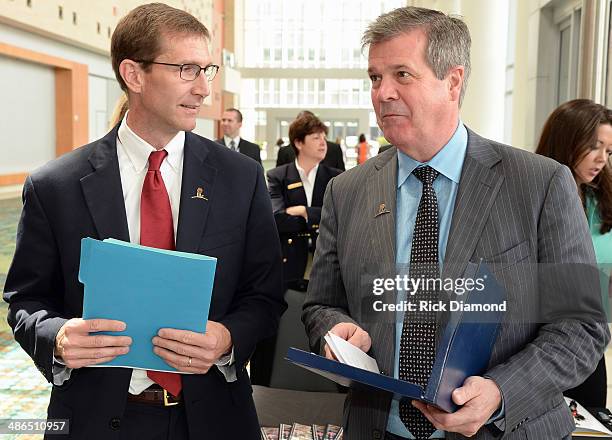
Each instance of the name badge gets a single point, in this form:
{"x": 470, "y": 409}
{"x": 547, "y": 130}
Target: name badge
{"x": 295, "y": 185}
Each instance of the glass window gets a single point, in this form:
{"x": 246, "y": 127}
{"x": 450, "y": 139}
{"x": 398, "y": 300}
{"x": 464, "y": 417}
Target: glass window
{"x": 283, "y": 128}
{"x": 338, "y": 130}
{"x": 568, "y": 56}
{"x": 564, "y": 65}
{"x": 351, "y": 128}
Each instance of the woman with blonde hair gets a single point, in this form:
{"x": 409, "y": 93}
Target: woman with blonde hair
{"x": 121, "y": 108}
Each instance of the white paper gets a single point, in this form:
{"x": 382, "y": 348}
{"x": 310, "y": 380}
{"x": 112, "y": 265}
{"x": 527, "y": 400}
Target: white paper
{"x": 590, "y": 426}
{"x": 348, "y": 354}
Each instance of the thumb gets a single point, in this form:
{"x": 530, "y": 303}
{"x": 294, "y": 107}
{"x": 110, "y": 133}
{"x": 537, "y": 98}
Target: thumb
{"x": 361, "y": 340}
{"x": 465, "y": 393}
{"x": 343, "y": 331}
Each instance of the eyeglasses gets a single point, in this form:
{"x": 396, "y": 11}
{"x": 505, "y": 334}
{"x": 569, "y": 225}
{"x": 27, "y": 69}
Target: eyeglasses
{"x": 189, "y": 72}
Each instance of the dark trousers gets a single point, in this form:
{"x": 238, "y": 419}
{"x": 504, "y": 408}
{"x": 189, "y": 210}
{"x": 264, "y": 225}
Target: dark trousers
{"x": 148, "y": 422}
{"x": 262, "y": 362}
{"x": 592, "y": 393}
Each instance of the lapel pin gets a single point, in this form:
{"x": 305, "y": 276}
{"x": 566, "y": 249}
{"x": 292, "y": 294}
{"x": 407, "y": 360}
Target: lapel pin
{"x": 382, "y": 209}
{"x": 199, "y": 194}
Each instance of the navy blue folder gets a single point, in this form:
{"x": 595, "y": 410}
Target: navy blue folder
{"x": 464, "y": 350}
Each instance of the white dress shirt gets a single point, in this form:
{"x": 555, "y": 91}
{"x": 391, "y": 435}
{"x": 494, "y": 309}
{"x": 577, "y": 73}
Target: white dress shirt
{"x": 133, "y": 156}
{"x": 308, "y": 180}
{"x": 228, "y": 139}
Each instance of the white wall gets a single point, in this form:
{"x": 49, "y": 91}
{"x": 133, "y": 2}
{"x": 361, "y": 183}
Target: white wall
{"x": 484, "y": 105}
{"x": 103, "y": 96}
{"x": 27, "y": 115}
{"x": 98, "y": 64}
{"x": 104, "y": 89}
{"x": 205, "y": 127}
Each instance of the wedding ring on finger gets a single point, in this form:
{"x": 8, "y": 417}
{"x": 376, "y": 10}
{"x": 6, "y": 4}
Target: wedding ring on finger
{"x": 189, "y": 362}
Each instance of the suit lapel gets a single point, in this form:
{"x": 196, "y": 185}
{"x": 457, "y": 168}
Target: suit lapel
{"x": 102, "y": 190}
{"x": 380, "y": 220}
{"x": 295, "y": 195}
{"x": 197, "y": 192}
{"x": 478, "y": 188}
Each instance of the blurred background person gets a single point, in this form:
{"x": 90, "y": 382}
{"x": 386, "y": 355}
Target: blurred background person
{"x": 579, "y": 134}
{"x": 296, "y": 190}
{"x": 231, "y": 121}
{"x": 334, "y": 157}
{"x": 363, "y": 149}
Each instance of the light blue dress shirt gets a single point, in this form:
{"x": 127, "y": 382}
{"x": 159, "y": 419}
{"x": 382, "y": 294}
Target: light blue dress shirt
{"x": 449, "y": 163}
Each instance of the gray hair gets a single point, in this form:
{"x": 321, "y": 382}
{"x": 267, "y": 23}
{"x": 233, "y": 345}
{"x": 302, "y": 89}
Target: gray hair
{"x": 448, "y": 38}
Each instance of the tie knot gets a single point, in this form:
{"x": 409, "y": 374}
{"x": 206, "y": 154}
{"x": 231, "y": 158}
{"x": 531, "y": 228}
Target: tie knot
{"x": 156, "y": 158}
{"x": 425, "y": 174}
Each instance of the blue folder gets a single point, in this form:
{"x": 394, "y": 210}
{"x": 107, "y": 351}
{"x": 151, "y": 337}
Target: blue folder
{"x": 464, "y": 350}
{"x": 148, "y": 289}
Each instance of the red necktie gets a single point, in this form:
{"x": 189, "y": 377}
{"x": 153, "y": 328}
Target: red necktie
{"x": 157, "y": 230}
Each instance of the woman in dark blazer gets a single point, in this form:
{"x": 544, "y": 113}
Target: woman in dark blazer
{"x": 296, "y": 190}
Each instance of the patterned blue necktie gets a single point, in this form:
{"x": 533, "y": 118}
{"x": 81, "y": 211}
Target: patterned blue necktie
{"x": 417, "y": 343}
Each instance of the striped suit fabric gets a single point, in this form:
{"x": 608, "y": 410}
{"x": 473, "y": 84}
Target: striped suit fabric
{"x": 517, "y": 211}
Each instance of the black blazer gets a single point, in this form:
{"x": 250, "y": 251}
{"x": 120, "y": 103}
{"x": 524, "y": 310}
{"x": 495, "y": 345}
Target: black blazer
{"x": 79, "y": 195}
{"x": 384, "y": 148}
{"x": 247, "y": 148}
{"x": 286, "y": 190}
{"x": 333, "y": 157}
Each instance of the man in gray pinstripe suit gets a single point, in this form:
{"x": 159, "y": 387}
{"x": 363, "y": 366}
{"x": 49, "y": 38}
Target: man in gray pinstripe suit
{"x": 518, "y": 211}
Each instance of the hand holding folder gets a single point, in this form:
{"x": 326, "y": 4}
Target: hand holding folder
{"x": 78, "y": 345}
{"x": 148, "y": 289}
{"x": 463, "y": 351}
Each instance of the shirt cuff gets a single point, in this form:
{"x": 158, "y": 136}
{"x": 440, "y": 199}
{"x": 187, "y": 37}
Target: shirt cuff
{"x": 61, "y": 373}
{"x": 499, "y": 417}
{"x": 227, "y": 367}
{"x": 499, "y": 414}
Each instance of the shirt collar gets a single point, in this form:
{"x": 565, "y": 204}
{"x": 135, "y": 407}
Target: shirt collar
{"x": 302, "y": 172}
{"x": 229, "y": 139}
{"x": 138, "y": 150}
{"x": 448, "y": 161}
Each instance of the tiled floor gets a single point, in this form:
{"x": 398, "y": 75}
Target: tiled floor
{"x": 23, "y": 391}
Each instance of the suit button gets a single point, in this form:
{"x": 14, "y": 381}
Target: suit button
{"x": 376, "y": 434}
{"x": 289, "y": 241}
{"x": 284, "y": 260}
{"x": 115, "y": 423}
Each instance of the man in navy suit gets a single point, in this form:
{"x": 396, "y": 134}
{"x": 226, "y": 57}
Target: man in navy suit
{"x": 95, "y": 191}
{"x": 231, "y": 121}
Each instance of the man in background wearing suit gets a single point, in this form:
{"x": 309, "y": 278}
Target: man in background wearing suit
{"x": 149, "y": 181}
{"x": 333, "y": 158}
{"x": 231, "y": 121}
{"x": 444, "y": 197}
